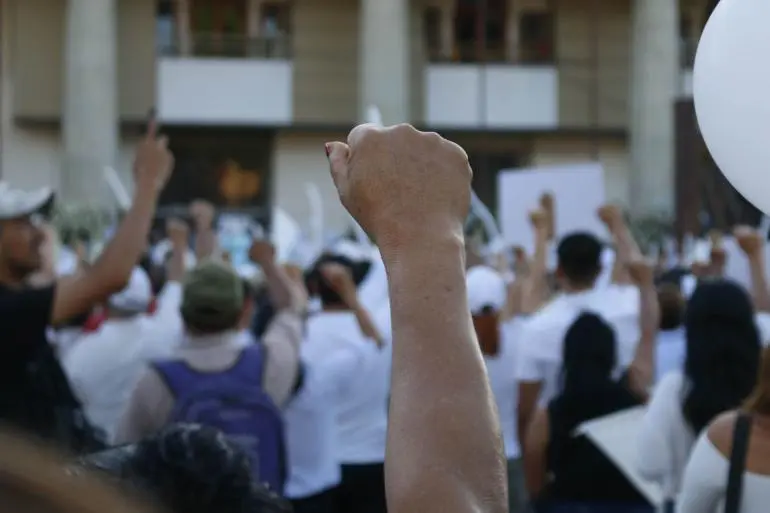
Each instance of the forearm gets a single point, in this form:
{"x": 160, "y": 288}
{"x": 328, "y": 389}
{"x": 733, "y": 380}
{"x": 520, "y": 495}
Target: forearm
{"x": 280, "y": 288}
{"x": 205, "y": 243}
{"x": 535, "y": 284}
{"x": 626, "y": 249}
{"x": 123, "y": 252}
{"x": 641, "y": 369}
{"x": 365, "y": 322}
{"x": 444, "y": 438}
{"x": 759, "y": 291}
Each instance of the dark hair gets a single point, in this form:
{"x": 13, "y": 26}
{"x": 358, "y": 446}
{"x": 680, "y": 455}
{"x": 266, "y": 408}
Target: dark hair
{"x": 315, "y": 280}
{"x": 672, "y": 305}
{"x": 759, "y": 400}
{"x": 589, "y": 356}
{"x": 580, "y": 258}
{"x": 723, "y": 348}
{"x": 193, "y": 469}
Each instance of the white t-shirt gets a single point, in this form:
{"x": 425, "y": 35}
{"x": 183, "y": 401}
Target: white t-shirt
{"x": 670, "y": 350}
{"x": 665, "y": 438}
{"x": 542, "y": 336}
{"x": 362, "y": 408}
{"x": 104, "y": 367}
{"x": 312, "y": 436}
{"x": 502, "y": 379}
{"x": 704, "y": 486}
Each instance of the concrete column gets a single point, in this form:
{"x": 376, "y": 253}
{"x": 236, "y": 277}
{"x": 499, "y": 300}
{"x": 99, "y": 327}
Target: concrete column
{"x": 448, "y": 30}
{"x": 384, "y": 59}
{"x": 655, "y": 78}
{"x": 183, "y": 28}
{"x": 90, "y": 113}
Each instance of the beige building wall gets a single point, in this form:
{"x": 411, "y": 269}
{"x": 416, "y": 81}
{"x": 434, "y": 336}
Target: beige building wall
{"x": 299, "y": 159}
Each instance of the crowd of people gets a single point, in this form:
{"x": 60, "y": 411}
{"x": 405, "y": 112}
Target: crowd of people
{"x": 414, "y": 375}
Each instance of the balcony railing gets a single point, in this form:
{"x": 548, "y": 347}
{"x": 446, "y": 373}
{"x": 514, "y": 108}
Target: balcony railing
{"x": 229, "y": 46}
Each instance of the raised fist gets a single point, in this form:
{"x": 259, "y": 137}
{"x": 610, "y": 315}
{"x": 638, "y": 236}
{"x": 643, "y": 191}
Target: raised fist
{"x": 262, "y": 252}
{"x": 611, "y": 216}
{"x": 539, "y": 219}
{"x": 749, "y": 240}
{"x": 153, "y": 162}
{"x": 177, "y": 232}
{"x": 402, "y": 185}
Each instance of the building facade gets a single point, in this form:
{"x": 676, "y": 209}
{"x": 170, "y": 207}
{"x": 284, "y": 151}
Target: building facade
{"x": 249, "y": 90}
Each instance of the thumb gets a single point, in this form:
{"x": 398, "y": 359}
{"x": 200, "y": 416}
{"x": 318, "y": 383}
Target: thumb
{"x": 338, "y": 154}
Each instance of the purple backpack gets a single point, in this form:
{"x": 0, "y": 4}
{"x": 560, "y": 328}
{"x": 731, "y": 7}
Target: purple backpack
{"x": 234, "y": 402}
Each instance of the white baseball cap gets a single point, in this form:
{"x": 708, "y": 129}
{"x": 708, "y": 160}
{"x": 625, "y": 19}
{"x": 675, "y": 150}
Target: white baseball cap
{"x": 486, "y": 289}
{"x": 19, "y": 203}
{"x": 137, "y": 295}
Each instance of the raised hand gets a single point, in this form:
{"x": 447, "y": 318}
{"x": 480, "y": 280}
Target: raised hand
{"x": 402, "y": 185}
{"x": 177, "y": 232}
{"x": 202, "y": 213}
{"x": 153, "y": 162}
{"x": 262, "y": 252}
{"x": 339, "y": 278}
{"x": 749, "y": 240}
{"x": 611, "y": 216}
{"x": 540, "y": 220}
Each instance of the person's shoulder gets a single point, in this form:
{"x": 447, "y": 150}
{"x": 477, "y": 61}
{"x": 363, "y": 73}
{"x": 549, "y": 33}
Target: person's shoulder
{"x": 720, "y": 431}
{"x": 670, "y": 382}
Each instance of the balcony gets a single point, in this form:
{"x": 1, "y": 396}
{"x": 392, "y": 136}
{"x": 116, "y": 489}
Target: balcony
{"x": 225, "y": 80}
{"x": 492, "y": 96}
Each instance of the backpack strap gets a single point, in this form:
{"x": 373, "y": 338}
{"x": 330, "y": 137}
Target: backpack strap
{"x": 175, "y": 374}
{"x": 250, "y": 366}
{"x": 741, "y": 435}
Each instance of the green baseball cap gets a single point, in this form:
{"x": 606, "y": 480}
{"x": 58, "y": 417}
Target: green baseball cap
{"x": 212, "y": 297}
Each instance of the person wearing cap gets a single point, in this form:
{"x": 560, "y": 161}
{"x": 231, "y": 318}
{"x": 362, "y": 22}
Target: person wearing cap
{"x": 104, "y": 366}
{"x": 487, "y": 296}
{"x": 35, "y": 395}
{"x": 212, "y": 310}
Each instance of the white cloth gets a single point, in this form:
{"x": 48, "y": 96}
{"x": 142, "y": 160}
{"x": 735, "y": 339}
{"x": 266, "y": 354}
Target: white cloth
{"x": 104, "y": 367}
{"x": 19, "y": 203}
{"x": 312, "y": 435}
{"x": 504, "y": 385}
{"x": 486, "y": 288}
{"x": 670, "y": 350}
{"x": 541, "y": 350}
{"x": 705, "y": 483}
{"x": 665, "y": 438}
{"x": 136, "y": 296}
{"x": 362, "y": 415}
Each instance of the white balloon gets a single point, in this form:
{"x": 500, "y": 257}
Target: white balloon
{"x": 731, "y": 89}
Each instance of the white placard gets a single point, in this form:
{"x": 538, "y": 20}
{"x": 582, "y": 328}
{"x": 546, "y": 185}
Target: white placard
{"x": 578, "y": 191}
{"x": 615, "y": 435}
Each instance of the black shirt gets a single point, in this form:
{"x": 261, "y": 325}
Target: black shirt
{"x": 35, "y": 394}
{"x": 581, "y": 472}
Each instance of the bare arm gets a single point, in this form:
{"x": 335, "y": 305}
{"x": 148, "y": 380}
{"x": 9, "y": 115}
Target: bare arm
{"x": 535, "y": 454}
{"x": 444, "y": 449}
{"x": 111, "y": 271}
{"x": 283, "y": 292}
{"x": 641, "y": 372}
{"x": 535, "y": 287}
{"x": 752, "y": 244}
{"x": 626, "y": 248}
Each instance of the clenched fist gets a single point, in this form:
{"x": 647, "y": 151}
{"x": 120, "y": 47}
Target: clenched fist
{"x": 402, "y": 185}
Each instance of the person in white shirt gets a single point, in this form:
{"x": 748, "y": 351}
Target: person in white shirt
{"x": 721, "y": 362}
{"x": 105, "y": 366}
{"x": 705, "y": 482}
{"x": 670, "y": 346}
{"x": 540, "y": 356}
{"x": 334, "y": 354}
{"x": 487, "y": 295}
{"x": 362, "y": 410}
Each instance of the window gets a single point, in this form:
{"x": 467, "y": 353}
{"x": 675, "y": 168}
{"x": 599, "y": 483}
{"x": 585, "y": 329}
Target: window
{"x": 432, "y": 30}
{"x": 274, "y": 29}
{"x": 480, "y": 30}
{"x": 687, "y": 41}
{"x": 165, "y": 27}
{"x": 536, "y": 33}
{"x": 219, "y": 27}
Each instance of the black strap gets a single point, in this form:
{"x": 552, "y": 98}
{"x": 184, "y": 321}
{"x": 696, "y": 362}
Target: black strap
{"x": 741, "y": 435}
